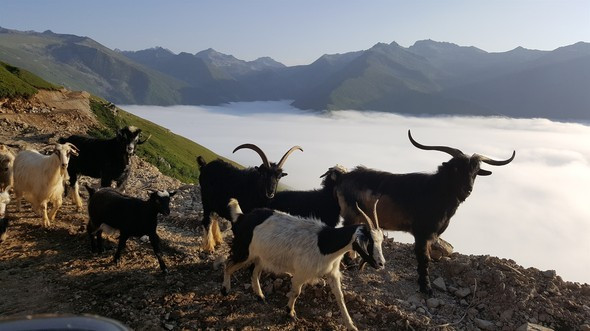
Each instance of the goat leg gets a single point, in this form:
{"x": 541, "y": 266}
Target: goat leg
{"x": 155, "y": 240}
{"x": 334, "y": 281}
{"x": 421, "y": 248}
{"x": 122, "y": 242}
{"x": 296, "y": 284}
{"x": 256, "y": 282}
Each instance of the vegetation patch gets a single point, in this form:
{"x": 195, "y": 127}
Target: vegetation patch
{"x": 16, "y": 82}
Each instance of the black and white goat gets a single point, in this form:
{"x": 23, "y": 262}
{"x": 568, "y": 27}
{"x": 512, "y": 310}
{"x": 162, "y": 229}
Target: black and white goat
{"x": 39, "y": 178}
{"x": 319, "y": 203}
{"x": 419, "y": 203}
{"x": 221, "y": 181}
{"x": 305, "y": 248}
{"x": 107, "y": 159}
{"x": 4, "y": 200}
{"x": 109, "y": 209}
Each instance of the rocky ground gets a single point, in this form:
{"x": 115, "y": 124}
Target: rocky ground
{"x": 53, "y": 271}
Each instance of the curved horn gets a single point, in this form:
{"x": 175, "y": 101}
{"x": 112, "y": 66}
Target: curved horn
{"x": 375, "y": 214}
{"x": 143, "y": 142}
{"x": 449, "y": 150}
{"x": 369, "y": 221}
{"x": 72, "y": 146}
{"x": 496, "y": 162}
{"x": 284, "y": 158}
{"x": 257, "y": 150}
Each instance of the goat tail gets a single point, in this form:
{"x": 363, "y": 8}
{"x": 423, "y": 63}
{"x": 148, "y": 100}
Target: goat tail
{"x": 234, "y": 210}
{"x": 201, "y": 161}
{"x": 90, "y": 190}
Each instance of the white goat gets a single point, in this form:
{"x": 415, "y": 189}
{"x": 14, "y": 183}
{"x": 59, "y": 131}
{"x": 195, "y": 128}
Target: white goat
{"x": 6, "y": 163}
{"x": 305, "y": 248}
{"x": 40, "y": 178}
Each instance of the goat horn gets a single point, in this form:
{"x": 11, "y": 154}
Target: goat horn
{"x": 257, "y": 150}
{"x": 284, "y": 158}
{"x": 369, "y": 221}
{"x": 375, "y": 214}
{"x": 146, "y": 139}
{"x": 72, "y": 146}
{"x": 449, "y": 150}
{"x": 496, "y": 162}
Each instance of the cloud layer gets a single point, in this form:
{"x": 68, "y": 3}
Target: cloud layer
{"x": 535, "y": 210}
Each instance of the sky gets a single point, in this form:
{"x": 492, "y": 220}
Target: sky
{"x": 534, "y": 210}
{"x": 299, "y": 32}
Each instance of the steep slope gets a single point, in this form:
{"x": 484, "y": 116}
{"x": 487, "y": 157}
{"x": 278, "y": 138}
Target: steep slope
{"x": 80, "y": 63}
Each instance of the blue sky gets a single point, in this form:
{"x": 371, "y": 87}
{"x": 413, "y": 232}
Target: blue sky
{"x": 298, "y": 32}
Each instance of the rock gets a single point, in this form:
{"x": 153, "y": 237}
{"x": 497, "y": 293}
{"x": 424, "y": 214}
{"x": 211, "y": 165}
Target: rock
{"x": 415, "y": 300}
{"x": 440, "y": 248}
{"x": 585, "y": 327}
{"x": 549, "y": 273}
{"x": 439, "y": 284}
{"x": 278, "y": 283}
{"x": 484, "y": 325}
{"x": 462, "y": 292}
{"x": 168, "y": 326}
{"x": 507, "y": 315}
{"x": 432, "y": 303}
{"x": 532, "y": 327}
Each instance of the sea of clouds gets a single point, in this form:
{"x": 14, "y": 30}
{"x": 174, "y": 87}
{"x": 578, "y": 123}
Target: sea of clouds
{"x": 536, "y": 210}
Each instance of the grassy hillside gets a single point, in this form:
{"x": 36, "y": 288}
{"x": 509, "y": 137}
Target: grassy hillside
{"x": 16, "y": 82}
{"x": 174, "y": 155}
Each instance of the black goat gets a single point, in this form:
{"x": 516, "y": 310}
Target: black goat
{"x": 220, "y": 181}
{"x": 109, "y": 209}
{"x": 321, "y": 203}
{"x": 107, "y": 159}
{"x": 419, "y": 203}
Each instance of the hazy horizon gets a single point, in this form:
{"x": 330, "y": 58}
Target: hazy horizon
{"x": 533, "y": 210}
{"x": 300, "y": 32}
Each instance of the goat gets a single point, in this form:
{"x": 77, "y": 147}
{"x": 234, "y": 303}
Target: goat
{"x": 220, "y": 181}
{"x": 109, "y": 209}
{"x": 321, "y": 204}
{"x": 305, "y": 248}
{"x": 4, "y": 200}
{"x": 6, "y": 164}
{"x": 418, "y": 203}
{"x": 39, "y": 178}
{"x": 107, "y": 159}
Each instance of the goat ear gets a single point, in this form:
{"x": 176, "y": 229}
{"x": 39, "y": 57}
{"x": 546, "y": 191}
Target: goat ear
{"x": 483, "y": 172}
{"x": 284, "y": 174}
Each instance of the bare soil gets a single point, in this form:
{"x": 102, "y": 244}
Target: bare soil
{"x": 52, "y": 270}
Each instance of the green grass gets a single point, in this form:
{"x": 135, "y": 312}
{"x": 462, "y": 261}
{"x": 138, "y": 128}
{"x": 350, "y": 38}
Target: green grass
{"x": 16, "y": 82}
{"x": 174, "y": 155}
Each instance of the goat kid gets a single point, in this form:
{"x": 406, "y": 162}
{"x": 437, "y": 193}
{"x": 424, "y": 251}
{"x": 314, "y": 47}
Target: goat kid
{"x": 305, "y": 248}
{"x": 110, "y": 210}
{"x": 254, "y": 187}
{"x": 39, "y": 178}
{"x": 107, "y": 159}
{"x": 419, "y": 203}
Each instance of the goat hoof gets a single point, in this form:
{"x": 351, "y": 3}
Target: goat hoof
{"x": 165, "y": 271}
{"x": 224, "y": 291}
{"x": 261, "y": 299}
{"x": 428, "y": 291}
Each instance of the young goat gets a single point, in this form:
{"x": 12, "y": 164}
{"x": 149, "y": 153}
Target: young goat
{"x": 109, "y": 209}
{"x": 220, "y": 181}
{"x": 321, "y": 204}
{"x": 419, "y": 203}
{"x": 4, "y": 200}
{"x": 39, "y": 178}
{"x": 305, "y": 248}
{"x": 6, "y": 164}
{"x": 107, "y": 159}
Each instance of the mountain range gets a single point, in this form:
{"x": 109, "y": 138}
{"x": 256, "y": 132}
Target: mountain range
{"x": 427, "y": 78}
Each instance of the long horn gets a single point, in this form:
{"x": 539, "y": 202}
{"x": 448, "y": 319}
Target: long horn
{"x": 369, "y": 221}
{"x": 146, "y": 139}
{"x": 72, "y": 146}
{"x": 375, "y": 214}
{"x": 452, "y": 151}
{"x": 496, "y": 162}
{"x": 257, "y": 150}
{"x": 284, "y": 158}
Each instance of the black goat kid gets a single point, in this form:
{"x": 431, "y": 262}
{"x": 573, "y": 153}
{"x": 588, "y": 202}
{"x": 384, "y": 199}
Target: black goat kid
{"x": 220, "y": 181}
{"x": 109, "y": 209}
{"x": 107, "y": 159}
{"x": 419, "y": 203}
